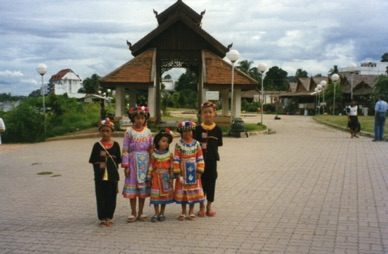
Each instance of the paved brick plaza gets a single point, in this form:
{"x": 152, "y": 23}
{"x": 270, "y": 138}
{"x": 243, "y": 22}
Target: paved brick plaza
{"x": 306, "y": 189}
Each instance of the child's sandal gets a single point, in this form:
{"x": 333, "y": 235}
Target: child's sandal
{"x": 131, "y": 218}
{"x": 182, "y": 217}
{"x": 142, "y": 217}
{"x": 161, "y": 218}
{"x": 192, "y": 216}
{"x": 154, "y": 218}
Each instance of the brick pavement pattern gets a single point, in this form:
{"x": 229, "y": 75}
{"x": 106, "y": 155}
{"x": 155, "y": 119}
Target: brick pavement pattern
{"x": 306, "y": 189}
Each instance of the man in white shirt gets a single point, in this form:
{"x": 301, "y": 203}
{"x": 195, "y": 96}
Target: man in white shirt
{"x": 2, "y": 128}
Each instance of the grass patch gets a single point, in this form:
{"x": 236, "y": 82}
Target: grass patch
{"x": 45, "y": 173}
{"x": 366, "y": 122}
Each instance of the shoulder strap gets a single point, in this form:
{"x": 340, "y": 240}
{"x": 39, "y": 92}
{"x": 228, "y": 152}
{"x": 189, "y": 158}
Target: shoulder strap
{"x": 108, "y": 154}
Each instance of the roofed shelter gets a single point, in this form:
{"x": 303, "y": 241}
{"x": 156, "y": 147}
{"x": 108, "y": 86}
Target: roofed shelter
{"x": 178, "y": 41}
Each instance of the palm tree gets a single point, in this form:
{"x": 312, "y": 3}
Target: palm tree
{"x": 245, "y": 66}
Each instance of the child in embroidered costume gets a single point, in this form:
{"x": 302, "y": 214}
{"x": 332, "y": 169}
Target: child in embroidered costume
{"x": 105, "y": 157}
{"x": 136, "y": 147}
{"x": 160, "y": 174}
{"x": 210, "y": 136}
{"x": 188, "y": 167}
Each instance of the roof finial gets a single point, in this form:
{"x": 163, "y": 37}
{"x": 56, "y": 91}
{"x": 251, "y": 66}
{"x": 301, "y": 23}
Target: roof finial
{"x": 155, "y": 12}
{"x": 230, "y": 46}
{"x": 129, "y": 45}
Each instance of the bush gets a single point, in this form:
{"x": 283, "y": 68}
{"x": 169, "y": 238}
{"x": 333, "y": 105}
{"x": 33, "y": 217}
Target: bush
{"x": 269, "y": 108}
{"x": 25, "y": 123}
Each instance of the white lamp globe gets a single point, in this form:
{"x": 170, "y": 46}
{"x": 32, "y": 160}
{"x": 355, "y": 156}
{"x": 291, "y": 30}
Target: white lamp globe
{"x": 323, "y": 83}
{"x": 233, "y": 55}
{"x": 335, "y": 77}
{"x": 262, "y": 67}
{"x": 41, "y": 69}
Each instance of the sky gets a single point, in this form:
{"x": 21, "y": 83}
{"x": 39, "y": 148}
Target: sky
{"x": 90, "y": 37}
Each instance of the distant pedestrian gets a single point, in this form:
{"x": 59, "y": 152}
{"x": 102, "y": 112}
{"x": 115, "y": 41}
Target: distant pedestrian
{"x": 137, "y": 147}
{"x": 353, "y": 123}
{"x": 160, "y": 174}
{"x": 105, "y": 157}
{"x": 380, "y": 116}
{"x": 210, "y": 136}
{"x": 188, "y": 167}
{"x": 2, "y": 128}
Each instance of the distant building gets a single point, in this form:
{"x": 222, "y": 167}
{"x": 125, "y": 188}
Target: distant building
{"x": 368, "y": 68}
{"x": 66, "y": 82}
{"x": 169, "y": 85}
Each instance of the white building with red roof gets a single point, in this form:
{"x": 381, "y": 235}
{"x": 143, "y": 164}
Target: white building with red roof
{"x": 67, "y": 82}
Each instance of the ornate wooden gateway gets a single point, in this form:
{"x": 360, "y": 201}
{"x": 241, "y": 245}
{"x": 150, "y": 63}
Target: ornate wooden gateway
{"x": 178, "y": 41}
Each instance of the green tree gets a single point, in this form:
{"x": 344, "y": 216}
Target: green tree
{"x": 187, "y": 80}
{"x": 276, "y": 79}
{"x": 329, "y": 97}
{"x": 246, "y": 67}
{"x": 300, "y": 73}
{"x": 381, "y": 86}
{"x": 90, "y": 85}
{"x": 384, "y": 58}
{"x": 24, "y": 123}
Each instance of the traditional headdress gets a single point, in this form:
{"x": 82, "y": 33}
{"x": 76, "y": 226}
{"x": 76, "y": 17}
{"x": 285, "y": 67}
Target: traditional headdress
{"x": 163, "y": 133}
{"x": 208, "y": 104}
{"x": 106, "y": 122}
{"x": 186, "y": 126}
{"x": 139, "y": 110}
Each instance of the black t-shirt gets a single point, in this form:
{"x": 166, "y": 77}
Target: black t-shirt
{"x": 210, "y": 141}
{"x": 100, "y": 159}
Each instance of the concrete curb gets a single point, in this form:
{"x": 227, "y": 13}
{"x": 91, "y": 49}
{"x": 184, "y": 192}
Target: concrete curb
{"x": 362, "y": 133}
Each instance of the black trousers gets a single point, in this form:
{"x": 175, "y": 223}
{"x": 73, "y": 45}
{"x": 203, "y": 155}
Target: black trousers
{"x": 106, "y": 194}
{"x": 209, "y": 178}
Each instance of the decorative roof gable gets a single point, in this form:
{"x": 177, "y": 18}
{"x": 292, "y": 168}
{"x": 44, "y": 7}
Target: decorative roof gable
{"x": 179, "y": 7}
{"x": 181, "y": 14}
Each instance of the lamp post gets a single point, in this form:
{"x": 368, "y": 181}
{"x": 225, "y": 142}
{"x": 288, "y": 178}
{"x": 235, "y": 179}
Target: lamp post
{"x": 335, "y": 77}
{"x": 323, "y": 84}
{"x": 233, "y": 55}
{"x": 319, "y": 86}
{"x": 42, "y": 69}
{"x": 316, "y": 100}
{"x": 352, "y": 68}
{"x": 262, "y": 68}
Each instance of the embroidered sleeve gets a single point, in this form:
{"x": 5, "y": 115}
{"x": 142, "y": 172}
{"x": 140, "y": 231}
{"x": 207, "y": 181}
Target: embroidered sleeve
{"x": 177, "y": 160}
{"x": 199, "y": 159}
{"x": 125, "y": 155}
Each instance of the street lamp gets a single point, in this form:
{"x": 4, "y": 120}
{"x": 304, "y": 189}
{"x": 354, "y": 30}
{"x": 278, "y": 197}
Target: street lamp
{"x": 42, "y": 69}
{"x": 335, "y": 77}
{"x": 233, "y": 55}
{"x": 352, "y": 68}
{"x": 323, "y": 84}
{"x": 316, "y": 100}
{"x": 262, "y": 68}
{"x": 319, "y": 87}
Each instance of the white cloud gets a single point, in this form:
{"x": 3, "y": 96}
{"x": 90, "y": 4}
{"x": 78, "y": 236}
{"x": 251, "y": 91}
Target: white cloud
{"x": 90, "y": 36}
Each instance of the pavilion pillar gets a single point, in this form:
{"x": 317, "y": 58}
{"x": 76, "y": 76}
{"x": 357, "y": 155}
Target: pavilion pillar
{"x": 151, "y": 100}
{"x": 225, "y": 102}
{"x": 237, "y": 102}
{"x": 120, "y": 101}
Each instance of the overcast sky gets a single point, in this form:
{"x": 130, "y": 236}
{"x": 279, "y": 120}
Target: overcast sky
{"x": 90, "y": 36}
